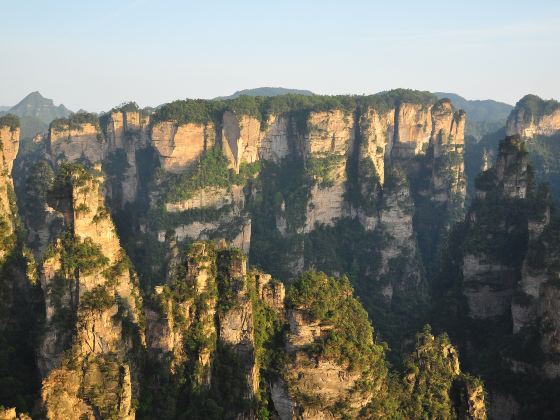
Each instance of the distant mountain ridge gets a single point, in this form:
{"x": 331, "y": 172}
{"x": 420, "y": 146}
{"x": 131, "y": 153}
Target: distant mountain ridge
{"x": 37, "y": 106}
{"x": 35, "y": 113}
{"x": 267, "y": 91}
{"x": 483, "y": 116}
{"x": 478, "y": 110}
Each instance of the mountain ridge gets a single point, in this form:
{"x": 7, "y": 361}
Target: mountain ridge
{"x": 267, "y": 91}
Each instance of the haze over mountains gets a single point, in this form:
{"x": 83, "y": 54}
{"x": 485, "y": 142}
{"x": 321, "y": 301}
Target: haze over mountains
{"x": 35, "y": 113}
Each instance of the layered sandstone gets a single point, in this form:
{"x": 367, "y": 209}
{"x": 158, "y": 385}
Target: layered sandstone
{"x": 100, "y": 295}
{"x": 9, "y": 145}
{"x": 328, "y": 144}
{"x": 74, "y": 144}
{"x": 533, "y": 116}
{"x": 413, "y": 127}
{"x": 180, "y": 146}
{"x": 127, "y": 133}
{"x": 376, "y": 131}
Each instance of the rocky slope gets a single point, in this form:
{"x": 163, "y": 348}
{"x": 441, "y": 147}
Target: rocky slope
{"x": 92, "y": 321}
{"x": 229, "y": 342}
{"x": 533, "y": 116}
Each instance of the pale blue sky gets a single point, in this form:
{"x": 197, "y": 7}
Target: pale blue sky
{"x": 97, "y": 54}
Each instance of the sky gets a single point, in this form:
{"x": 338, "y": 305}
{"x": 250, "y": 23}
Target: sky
{"x": 97, "y": 54}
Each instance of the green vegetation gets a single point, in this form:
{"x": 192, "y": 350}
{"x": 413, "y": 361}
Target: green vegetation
{"x": 97, "y": 299}
{"x": 84, "y": 257}
{"x": 500, "y": 230}
{"x": 535, "y": 107}
{"x": 545, "y": 156}
{"x": 116, "y": 165}
{"x": 9, "y": 120}
{"x": 321, "y": 169}
{"x": 203, "y": 111}
{"x": 330, "y": 300}
{"x": 38, "y": 183}
{"x": 430, "y": 372}
{"x": 126, "y": 107}
{"x": 75, "y": 122}
{"x": 210, "y": 171}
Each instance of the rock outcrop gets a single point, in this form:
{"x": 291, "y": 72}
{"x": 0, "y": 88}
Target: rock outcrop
{"x": 93, "y": 308}
{"x": 180, "y": 146}
{"x": 533, "y": 116}
{"x": 9, "y": 145}
{"x": 491, "y": 262}
{"x": 127, "y": 134}
{"x": 211, "y": 305}
{"x": 75, "y": 142}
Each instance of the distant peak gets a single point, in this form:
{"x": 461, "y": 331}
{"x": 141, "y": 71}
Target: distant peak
{"x": 267, "y": 91}
{"x": 35, "y": 94}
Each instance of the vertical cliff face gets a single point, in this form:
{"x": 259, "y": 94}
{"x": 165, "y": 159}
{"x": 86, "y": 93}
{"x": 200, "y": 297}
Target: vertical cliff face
{"x": 241, "y": 138}
{"x": 73, "y": 141}
{"x": 496, "y": 238}
{"x": 9, "y": 145}
{"x": 93, "y": 308}
{"x": 17, "y": 278}
{"x": 202, "y": 328}
{"x": 376, "y": 131}
{"x": 180, "y": 146}
{"x": 328, "y": 144}
{"x": 327, "y": 183}
{"x": 412, "y": 130}
{"x": 509, "y": 282}
{"x": 127, "y": 134}
{"x": 533, "y": 116}
{"x": 233, "y": 341}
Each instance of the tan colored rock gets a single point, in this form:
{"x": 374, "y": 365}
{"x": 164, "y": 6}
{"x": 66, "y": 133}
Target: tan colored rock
{"x": 94, "y": 377}
{"x": 243, "y": 239}
{"x": 325, "y": 205}
{"x": 75, "y": 144}
{"x": 10, "y": 145}
{"x": 271, "y": 292}
{"x": 275, "y": 145}
{"x": 181, "y": 146}
{"x": 315, "y": 379}
{"x": 413, "y": 128}
{"x": 330, "y": 132}
{"x": 377, "y": 132}
{"x": 448, "y": 127}
{"x": 214, "y": 197}
{"x": 128, "y": 132}
{"x": 241, "y": 138}
{"x": 528, "y": 126}
{"x": 59, "y": 393}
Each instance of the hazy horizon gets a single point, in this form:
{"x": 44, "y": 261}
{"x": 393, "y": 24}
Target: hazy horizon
{"x": 95, "y": 56}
